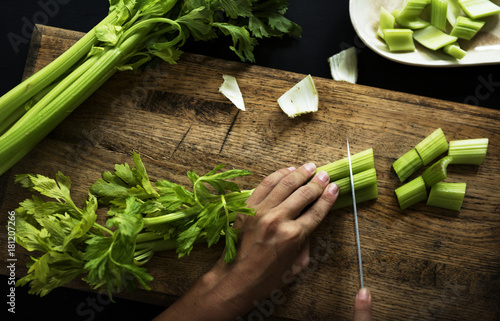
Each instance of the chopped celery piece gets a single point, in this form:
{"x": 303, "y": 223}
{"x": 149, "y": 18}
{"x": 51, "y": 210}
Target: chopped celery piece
{"x": 344, "y": 65}
{"x": 433, "y": 38}
{"x": 466, "y": 28}
{"x": 469, "y": 151}
{"x": 439, "y": 11}
{"x": 361, "y": 180}
{"x": 407, "y": 164}
{"x": 399, "y": 39}
{"x": 365, "y": 194}
{"x": 408, "y": 15}
{"x": 361, "y": 161}
{"x": 300, "y": 99}
{"x": 415, "y": 23}
{"x": 231, "y": 90}
{"x": 476, "y": 9}
{"x": 411, "y": 193}
{"x": 437, "y": 172}
{"x": 455, "y": 51}
{"x": 447, "y": 195}
{"x": 386, "y": 21}
{"x": 454, "y": 11}
{"x": 432, "y": 146}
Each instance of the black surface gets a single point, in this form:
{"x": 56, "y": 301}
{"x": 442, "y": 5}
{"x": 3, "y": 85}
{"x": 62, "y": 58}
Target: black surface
{"x": 327, "y": 30}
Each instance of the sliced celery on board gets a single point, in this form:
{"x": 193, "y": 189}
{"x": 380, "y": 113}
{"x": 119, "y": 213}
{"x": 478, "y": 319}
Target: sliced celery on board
{"x": 468, "y": 151}
{"x": 361, "y": 180}
{"x": 407, "y": 164}
{"x": 437, "y": 172}
{"x": 432, "y": 146}
{"x": 411, "y": 193}
{"x": 447, "y": 195}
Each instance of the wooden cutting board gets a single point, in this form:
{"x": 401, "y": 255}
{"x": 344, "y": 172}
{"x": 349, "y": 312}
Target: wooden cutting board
{"x": 424, "y": 263}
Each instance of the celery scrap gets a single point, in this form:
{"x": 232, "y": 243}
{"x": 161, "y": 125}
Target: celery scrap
{"x": 466, "y": 28}
{"x": 407, "y": 164}
{"x": 432, "y": 146}
{"x": 411, "y": 193}
{"x": 231, "y": 90}
{"x": 447, "y": 195}
{"x": 469, "y": 151}
{"x": 439, "y": 11}
{"x": 386, "y": 21}
{"x": 455, "y": 51}
{"x": 399, "y": 39}
{"x": 302, "y": 98}
{"x": 433, "y": 38}
{"x": 476, "y": 9}
{"x": 344, "y": 65}
{"x": 437, "y": 172}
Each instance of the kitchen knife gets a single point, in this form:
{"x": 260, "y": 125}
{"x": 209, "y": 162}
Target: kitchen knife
{"x": 356, "y": 227}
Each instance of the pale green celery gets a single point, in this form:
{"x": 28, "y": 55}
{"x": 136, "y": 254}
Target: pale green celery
{"x": 466, "y": 28}
{"x": 399, "y": 39}
{"x": 407, "y": 164}
{"x": 476, "y": 9}
{"x": 386, "y": 21}
{"x": 432, "y": 146}
{"x": 365, "y": 194}
{"x": 17, "y": 96}
{"x": 411, "y": 193}
{"x": 433, "y": 38}
{"x": 439, "y": 11}
{"x": 447, "y": 195}
{"x": 455, "y": 51}
{"x": 360, "y": 162}
{"x": 408, "y": 15}
{"x": 454, "y": 11}
{"x": 361, "y": 180}
{"x": 469, "y": 151}
{"x": 437, "y": 172}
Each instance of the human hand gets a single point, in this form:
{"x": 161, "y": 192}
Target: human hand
{"x": 363, "y": 305}
{"x": 273, "y": 245}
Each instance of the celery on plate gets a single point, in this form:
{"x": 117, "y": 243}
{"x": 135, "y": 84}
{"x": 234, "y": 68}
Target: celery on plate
{"x": 455, "y": 51}
{"x": 447, "y": 195}
{"x": 468, "y": 151}
{"x": 133, "y": 33}
{"x": 439, "y": 11}
{"x": 408, "y": 15}
{"x": 466, "y": 28}
{"x": 476, "y": 9}
{"x": 386, "y": 21}
{"x": 399, "y": 39}
{"x": 433, "y": 38}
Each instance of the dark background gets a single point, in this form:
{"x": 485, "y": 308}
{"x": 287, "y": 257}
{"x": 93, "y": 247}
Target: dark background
{"x": 327, "y": 29}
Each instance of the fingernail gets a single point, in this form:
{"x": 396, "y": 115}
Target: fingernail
{"x": 363, "y": 294}
{"x": 311, "y": 167}
{"x": 333, "y": 188}
{"x": 291, "y": 169}
{"x": 323, "y": 176}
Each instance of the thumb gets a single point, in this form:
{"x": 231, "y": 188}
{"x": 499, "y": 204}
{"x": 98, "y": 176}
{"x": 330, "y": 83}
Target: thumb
{"x": 363, "y": 306}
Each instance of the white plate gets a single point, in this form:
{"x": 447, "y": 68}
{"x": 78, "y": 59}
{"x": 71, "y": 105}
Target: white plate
{"x": 483, "y": 49}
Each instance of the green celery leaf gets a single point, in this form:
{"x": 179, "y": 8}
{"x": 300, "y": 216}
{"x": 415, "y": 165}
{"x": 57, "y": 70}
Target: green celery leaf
{"x": 88, "y": 219}
{"x": 243, "y": 43}
{"x": 145, "y": 183}
{"x": 235, "y": 8}
{"x": 197, "y": 23}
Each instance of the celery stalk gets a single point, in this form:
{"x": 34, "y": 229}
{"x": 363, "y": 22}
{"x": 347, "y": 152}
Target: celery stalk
{"x": 466, "y": 28}
{"x": 361, "y": 180}
{"x": 365, "y": 194}
{"x": 476, "y": 9}
{"x": 432, "y": 146}
{"x": 407, "y": 164}
{"x": 437, "y": 172}
{"x": 455, "y": 51}
{"x": 411, "y": 193}
{"x": 454, "y": 11}
{"x": 399, "y": 39}
{"x": 447, "y": 195}
{"x": 470, "y": 151}
{"x": 433, "y": 38}
{"x": 339, "y": 169}
{"x": 408, "y": 15}
{"x": 386, "y": 21}
{"x": 439, "y": 10}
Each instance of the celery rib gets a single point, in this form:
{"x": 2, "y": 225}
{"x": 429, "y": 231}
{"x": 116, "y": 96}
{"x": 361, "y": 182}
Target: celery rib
{"x": 411, "y": 193}
{"x": 361, "y": 180}
{"x": 433, "y": 38}
{"x": 363, "y": 195}
{"x": 447, "y": 195}
{"x": 469, "y": 151}
{"x": 432, "y": 146}
{"x": 436, "y": 172}
{"x": 360, "y": 162}
{"x": 466, "y": 28}
{"x": 439, "y": 11}
{"x": 407, "y": 164}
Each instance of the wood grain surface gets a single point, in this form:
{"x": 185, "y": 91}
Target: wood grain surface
{"x": 421, "y": 264}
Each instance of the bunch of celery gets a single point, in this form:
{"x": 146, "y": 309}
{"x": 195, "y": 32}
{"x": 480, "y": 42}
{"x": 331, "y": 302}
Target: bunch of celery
{"x": 442, "y": 194}
{"x": 142, "y": 219}
{"x": 133, "y": 33}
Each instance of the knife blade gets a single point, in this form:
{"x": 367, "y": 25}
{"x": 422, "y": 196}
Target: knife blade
{"x": 356, "y": 226}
